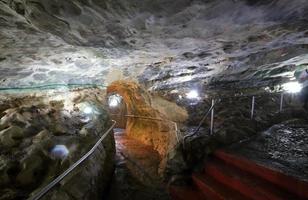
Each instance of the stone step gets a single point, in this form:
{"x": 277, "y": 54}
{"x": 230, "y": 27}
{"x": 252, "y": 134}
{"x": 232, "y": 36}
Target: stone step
{"x": 250, "y": 186}
{"x": 213, "y": 190}
{"x": 228, "y": 176}
{"x": 288, "y": 183}
{"x": 185, "y": 193}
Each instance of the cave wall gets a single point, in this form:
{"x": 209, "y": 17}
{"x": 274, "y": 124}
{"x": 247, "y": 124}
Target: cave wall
{"x": 32, "y": 124}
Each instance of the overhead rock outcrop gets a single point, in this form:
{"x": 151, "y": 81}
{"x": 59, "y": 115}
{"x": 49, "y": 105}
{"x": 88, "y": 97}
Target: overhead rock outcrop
{"x": 195, "y": 43}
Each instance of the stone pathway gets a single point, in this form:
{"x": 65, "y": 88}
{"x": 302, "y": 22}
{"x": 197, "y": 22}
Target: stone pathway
{"x": 136, "y": 174}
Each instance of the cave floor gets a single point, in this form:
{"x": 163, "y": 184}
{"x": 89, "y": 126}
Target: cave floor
{"x": 136, "y": 171}
{"x": 283, "y": 147}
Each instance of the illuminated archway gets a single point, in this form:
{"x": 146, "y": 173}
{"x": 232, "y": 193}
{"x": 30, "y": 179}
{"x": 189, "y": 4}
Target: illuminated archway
{"x": 157, "y": 133}
{"x": 117, "y": 110}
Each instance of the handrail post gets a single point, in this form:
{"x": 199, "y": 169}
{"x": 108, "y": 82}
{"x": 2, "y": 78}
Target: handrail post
{"x": 212, "y": 118}
{"x": 200, "y": 123}
{"x": 281, "y": 102}
{"x": 252, "y": 107}
{"x": 176, "y": 131}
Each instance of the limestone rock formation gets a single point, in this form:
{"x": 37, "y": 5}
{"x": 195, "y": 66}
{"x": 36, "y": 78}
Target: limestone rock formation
{"x": 41, "y": 136}
{"x": 163, "y": 45}
{"x": 168, "y": 47}
{"x": 150, "y": 123}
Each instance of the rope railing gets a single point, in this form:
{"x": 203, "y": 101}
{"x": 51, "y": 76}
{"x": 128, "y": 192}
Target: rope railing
{"x": 52, "y": 184}
{"x": 155, "y": 119}
{"x": 257, "y": 95}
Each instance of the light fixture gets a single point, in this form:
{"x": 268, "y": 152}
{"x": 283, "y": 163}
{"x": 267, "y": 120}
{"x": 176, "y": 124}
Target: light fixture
{"x": 292, "y": 87}
{"x": 88, "y": 110}
{"x": 59, "y": 151}
{"x": 114, "y": 100}
{"x": 193, "y": 94}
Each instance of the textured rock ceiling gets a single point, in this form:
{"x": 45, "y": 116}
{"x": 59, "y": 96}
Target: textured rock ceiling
{"x": 163, "y": 44}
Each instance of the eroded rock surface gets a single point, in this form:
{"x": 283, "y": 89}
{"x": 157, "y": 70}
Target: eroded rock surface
{"x": 282, "y": 147}
{"x": 40, "y": 137}
{"x": 215, "y": 47}
{"x": 162, "y": 44}
{"x": 233, "y": 124}
{"x": 149, "y": 123}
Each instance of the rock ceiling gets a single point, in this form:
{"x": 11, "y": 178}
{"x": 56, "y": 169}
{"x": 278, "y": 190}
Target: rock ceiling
{"x": 162, "y": 44}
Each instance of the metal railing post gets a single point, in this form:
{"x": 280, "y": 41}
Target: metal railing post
{"x": 212, "y": 118}
{"x": 252, "y": 107}
{"x": 281, "y": 102}
{"x": 199, "y": 126}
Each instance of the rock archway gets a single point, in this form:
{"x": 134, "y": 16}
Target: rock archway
{"x": 160, "y": 134}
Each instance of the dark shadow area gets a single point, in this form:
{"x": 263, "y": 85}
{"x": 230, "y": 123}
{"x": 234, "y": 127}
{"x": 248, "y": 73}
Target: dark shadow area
{"x": 136, "y": 173}
{"x": 135, "y": 176}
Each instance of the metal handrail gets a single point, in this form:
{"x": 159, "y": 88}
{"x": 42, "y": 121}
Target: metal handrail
{"x": 200, "y": 123}
{"x": 267, "y": 94}
{"x": 208, "y": 112}
{"x": 48, "y": 187}
{"x": 152, "y": 118}
{"x": 251, "y": 116}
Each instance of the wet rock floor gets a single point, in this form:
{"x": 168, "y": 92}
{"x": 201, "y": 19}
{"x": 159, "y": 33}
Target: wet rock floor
{"x": 283, "y": 147}
{"x": 136, "y": 171}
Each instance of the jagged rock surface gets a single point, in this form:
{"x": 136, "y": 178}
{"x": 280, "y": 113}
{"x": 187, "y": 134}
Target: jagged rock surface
{"x": 40, "y": 137}
{"x": 169, "y": 47}
{"x": 150, "y": 122}
{"x": 162, "y": 44}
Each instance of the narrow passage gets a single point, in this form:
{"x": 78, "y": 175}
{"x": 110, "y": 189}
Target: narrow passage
{"x": 136, "y": 171}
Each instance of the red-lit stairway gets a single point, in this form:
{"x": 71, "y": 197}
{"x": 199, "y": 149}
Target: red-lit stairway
{"x": 227, "y": 176}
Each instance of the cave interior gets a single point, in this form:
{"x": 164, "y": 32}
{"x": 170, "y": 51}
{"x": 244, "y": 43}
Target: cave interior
{"x": 154, "y": 99}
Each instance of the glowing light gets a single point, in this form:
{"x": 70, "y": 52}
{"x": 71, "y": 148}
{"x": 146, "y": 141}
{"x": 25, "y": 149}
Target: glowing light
{"x": 114, "y": 100}
{"x": 192, "y": 94}
{"x": 113, "y": 103}
{"x": 59, "y": 151}
{"x": 88, "y": 110}
{"x": 292, "y": 87}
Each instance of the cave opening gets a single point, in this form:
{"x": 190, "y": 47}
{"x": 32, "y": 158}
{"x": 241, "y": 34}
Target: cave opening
{"x": 138, "y": 156}
{"x": 117, "y": 110}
